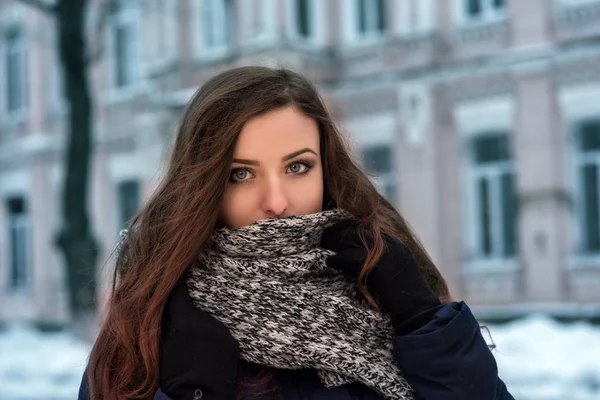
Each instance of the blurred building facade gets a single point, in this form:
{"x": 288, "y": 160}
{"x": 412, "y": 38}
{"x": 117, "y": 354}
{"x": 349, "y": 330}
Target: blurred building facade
{"x": 479, "y": 119}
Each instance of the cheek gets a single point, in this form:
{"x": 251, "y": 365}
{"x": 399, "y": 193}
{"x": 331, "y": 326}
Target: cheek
{"x": 238, "y": 207}
{"x": 306, "y": 195}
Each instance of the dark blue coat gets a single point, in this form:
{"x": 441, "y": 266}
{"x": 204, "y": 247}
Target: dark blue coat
{"x": 445, "y": 359}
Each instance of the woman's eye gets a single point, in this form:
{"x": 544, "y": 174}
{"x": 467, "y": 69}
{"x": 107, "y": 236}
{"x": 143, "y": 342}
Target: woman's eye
{"x": 298, "y": 168}
{"x": 239, "y": 175}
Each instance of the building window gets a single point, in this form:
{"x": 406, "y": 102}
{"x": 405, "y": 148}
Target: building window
{"x": 588, "y": 163}
{"x": 128, "y": 193}
{"x": 260, "y": 16}
{"x": 303, "y": 13}
{"x": 483, "y": 8}
{"x": 416, "y": 17}
{"x": 16, "y": 69}
{"x": 498, "y": 4}
{"x": 494, "y": 201}
{"x": 371, "y": 17}
{"x": 163, "y": 31}
{"x": 216, "y": 23}
{"x": 378, "y": 162}
{"x": 19, "y": 233}
{"x": 125, "y": 35}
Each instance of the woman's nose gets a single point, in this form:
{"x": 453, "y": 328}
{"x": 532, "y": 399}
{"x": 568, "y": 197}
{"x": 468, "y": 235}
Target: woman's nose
{"x": 274, "y": 201}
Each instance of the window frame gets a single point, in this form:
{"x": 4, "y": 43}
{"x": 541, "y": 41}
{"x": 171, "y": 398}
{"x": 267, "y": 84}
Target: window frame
{"x": 387, "y": 180}
{"x": 127, "y": 17}
{"x": 578, "y": 104}
{"x": 202, "y": 51}
{"x": 19, "y": 112}
{"x": 492, "y": 172}
{"x": 162, "y": 24}
{"x": 266, "y": 12}
{"x": 582, "y": 158}
{"x": 372, "y": 19}
{"x": 21, "y": 222}
{"x": 425, "y": 12}
{"x": 120, "y": 185}
{"x": 489, "y": 12}
{"x": 318, "y": 12}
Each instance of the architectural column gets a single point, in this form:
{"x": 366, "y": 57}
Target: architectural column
{"x": 542, "y": 211}
{"x": 49, "y": 270}
{"x": 447, "y": 142}
{"x": 531, "y": 21}
{"x": 416, "y": 163}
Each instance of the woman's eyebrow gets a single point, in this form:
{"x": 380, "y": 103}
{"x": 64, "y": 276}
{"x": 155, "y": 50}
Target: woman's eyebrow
{"x": 297, "y": 153}
{"x": 284, "y": 158}
{"x": 243, "y": 161}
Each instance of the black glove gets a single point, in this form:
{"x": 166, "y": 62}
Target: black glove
{"x": 395, "y": 282}
{"x": 198, "y": 355}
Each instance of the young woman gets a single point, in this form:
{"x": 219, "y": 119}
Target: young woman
{"x": 266, "y": 265}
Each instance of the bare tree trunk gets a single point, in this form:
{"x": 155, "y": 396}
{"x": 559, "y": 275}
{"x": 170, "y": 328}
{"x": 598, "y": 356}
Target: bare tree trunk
{"x": 75, "y": 239}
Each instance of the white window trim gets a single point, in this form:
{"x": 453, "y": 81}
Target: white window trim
{"x": 492, "y": 173}
{"x": 371, "y": 21}
{"x": 117, "y": 185}
{"x": 564, "y": 4}
{"x": 269, "y": 13}
{"x": 426, "y": 11}
{"x": 350, "y": 29}
{"x": 25, "y": 224}
{"x": 19, "y": 115}
{"x": 201, "y": 51}
{"x": 485, "y": 115}
{"x": 59, "y": 102}
{"x": 578, "y": 161}
{"x": 122, "y": 168}
{"x": 162, "y": 23}
{"x": 372, "y": 131}
{"x": 116, "y": 96}
{"x": 389, "y": 178}
{"x": 578, "y": 103}
{"x": 139, "y": 85}
{"x": 13, "y": 14}
{"x": 318, "y": 20}
{"x": 472, "y": 118}
{"x": 489, "y": 13}
{"x": 14, "y": 184}
{"x": 125, "y": 167}
{"x": 131, "y": 15}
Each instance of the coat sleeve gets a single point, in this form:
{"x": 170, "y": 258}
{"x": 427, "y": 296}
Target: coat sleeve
{"x": 84, "y": 391}
{"x": 447, "y": 358}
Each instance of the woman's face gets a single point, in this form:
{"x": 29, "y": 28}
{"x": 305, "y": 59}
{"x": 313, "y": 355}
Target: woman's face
{"x": 276, "y": 169}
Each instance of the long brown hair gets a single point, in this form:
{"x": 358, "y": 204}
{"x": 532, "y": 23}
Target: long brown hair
{"x": 174, "y": 225}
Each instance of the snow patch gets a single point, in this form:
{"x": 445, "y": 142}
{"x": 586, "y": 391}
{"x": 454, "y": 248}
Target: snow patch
{"x": 40, "y": 366}
{"x": 542, "y": 359}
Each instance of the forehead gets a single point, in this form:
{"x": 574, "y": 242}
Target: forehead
{"x": 278, "y": 132}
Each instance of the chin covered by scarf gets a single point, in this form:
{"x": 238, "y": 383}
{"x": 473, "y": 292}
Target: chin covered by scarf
{"x": 269, "y": 284}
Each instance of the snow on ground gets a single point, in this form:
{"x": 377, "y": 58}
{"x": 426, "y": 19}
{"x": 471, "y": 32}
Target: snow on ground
{"x": 36, "y": 366}
{"x": 541, "y": 359}
{"x": 538, "y": 358}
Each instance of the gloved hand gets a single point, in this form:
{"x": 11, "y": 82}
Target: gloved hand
{"x": 395, "y": 282}
{"x": 198, "y": 355}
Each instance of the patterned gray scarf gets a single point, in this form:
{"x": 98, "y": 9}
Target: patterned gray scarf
{"x": 269, "y": 284}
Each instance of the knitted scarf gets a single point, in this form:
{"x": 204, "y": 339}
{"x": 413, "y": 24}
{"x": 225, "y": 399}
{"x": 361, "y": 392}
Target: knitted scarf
{"x": 269, "y": 284}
